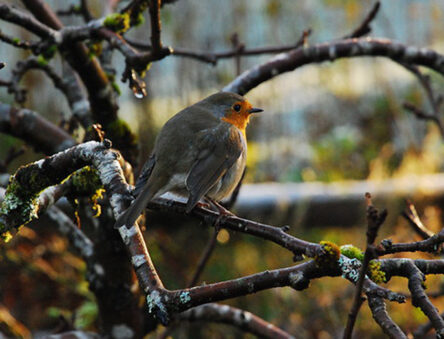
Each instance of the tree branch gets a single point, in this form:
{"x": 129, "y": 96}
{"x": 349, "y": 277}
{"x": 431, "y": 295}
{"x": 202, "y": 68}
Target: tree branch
{"x": 374, "y": 222}
{"x": 100, "y": 92}
{"x": 154, "y": 9}
{"x": 331, "y": 51}
{"x": 34, "y": 129}
{"x": 415, "y": 271}
{"x": 162, "y": 302}
{"x": 244, "y": 320}
{"x": 26, "y": 21}
{"x": 204, "y": 258}
{"x": 214, "y": 57}
{"x": 428, "y": 245}
{"x": 364, "y": 28}
{"x": 379, "y": 312}
{"x": 422, "y": 115}
{"x": 19, "y": 43}
{"x": 414, "y": 220}
{"x": 277, "y": 235}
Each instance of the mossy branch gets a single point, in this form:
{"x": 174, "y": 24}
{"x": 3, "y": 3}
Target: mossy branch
{"x": 20, "y": 204}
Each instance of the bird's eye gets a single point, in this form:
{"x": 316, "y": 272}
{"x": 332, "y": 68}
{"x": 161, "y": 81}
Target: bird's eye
{"x": 237, "y": 107}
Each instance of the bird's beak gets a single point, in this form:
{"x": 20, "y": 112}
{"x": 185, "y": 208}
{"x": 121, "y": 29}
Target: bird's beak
{"x": 255, "y": 110}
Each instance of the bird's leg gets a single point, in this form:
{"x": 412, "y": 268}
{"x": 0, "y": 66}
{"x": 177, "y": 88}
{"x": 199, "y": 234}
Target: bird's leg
{"x": 204, "y": 205}
{"x": 223, "y": 213}
{"x": 222, "y": 210}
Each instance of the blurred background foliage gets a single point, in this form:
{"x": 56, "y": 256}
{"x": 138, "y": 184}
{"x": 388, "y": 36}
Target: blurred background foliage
{"x": 329, "y": 122}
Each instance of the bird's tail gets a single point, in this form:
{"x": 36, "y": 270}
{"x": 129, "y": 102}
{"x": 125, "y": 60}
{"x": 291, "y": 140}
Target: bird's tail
{"x": 133, "y": 212}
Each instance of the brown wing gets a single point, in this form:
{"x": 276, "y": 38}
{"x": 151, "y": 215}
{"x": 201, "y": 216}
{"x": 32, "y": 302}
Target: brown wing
{"x": 220, "y": 148}
{"x": 144, "y": 175}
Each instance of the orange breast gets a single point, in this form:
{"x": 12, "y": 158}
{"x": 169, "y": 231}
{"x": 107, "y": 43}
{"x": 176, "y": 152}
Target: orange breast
{"x": 238, "y": 120}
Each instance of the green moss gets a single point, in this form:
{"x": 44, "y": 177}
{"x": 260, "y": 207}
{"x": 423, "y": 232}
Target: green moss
{"x": 351, "y": 252}
{"x": 19, "y": 206}
{"x": 95, "y": 48}
{"x": 136, "y": 13}
{"x": 112, "y": 79}
{"x": 6, "y": 236}
{"x": 138, "y": 20}
{"x": 331, "y": 254}
{"x": 57, "y": 312}
{"x": 41, "y": 60}
{"x": 86, "y": 183}
{"x": 46, "y": 55}
{"x": 50, "y": 52}
{"x": 142, "y": 72}
{"x": 118, "y": 128}
{"x": 117, "y": 22}
{"x": 375, "y": 273}
{"x": 116, "y": 88}
{"x": 16, "y": 40}
{"x": 86, "y": 315}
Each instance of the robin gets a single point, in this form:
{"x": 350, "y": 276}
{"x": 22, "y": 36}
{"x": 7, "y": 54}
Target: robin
{"x": 200, "y": 152}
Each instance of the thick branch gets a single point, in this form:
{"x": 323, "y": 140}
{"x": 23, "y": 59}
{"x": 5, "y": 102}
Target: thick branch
{"x": 154, "y": 9}
{"x": 78, "y": 240}
{"x": 162, "y": 302}
{"x": 272, "y": 233}
{"x": 101, "y": 95}
{"x": 428, "y": 245}
{"x": 244, "y": 320}
{"x": 331, "y": 51}
{"x": 34, "y": 129}
{"x": 415, "y": 271}
{"x": 26, "y": 21}
{"x": 379, "y": 312}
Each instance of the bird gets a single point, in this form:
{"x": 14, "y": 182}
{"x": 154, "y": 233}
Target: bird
{"x": 199, "y": 153}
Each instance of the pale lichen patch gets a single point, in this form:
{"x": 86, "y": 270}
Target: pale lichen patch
{"x": 185, "y": 297}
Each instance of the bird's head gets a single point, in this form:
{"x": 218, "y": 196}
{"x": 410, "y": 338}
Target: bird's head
{"x": 231, "y": 108}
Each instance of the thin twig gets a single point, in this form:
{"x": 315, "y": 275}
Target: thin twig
{"x": 81, "y": 9}
{"x": 411, "y": 215}
{"x": 204, "y": 258}
{"x": 29, "y": 64}
{"x": 238, "y": 46}
{"x": 154, "y": 9}
{"x": 213, "y": 57}
{"x": 374, "y": 222}
{"x": 435, "y": 101}
{"x": 421, "y": 114}
{"x": 364, "y": 28}
{"x": 23, "y": 44}
{"x": 12, "y": 154}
